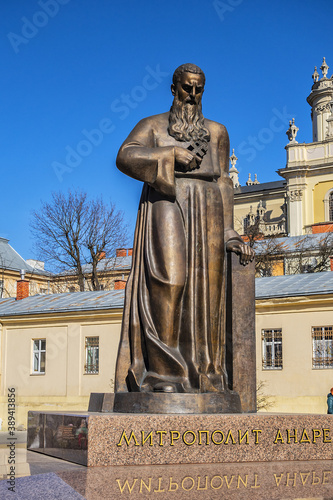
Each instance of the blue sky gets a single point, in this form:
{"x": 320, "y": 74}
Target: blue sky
{"x": 79, "y": 74}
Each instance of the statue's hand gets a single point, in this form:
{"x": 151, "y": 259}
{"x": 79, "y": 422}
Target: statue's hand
{"x": 185, "y": 160}
{"x": 244, "y": 251}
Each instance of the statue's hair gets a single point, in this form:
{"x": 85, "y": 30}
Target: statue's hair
{"x": 187, "y": 68}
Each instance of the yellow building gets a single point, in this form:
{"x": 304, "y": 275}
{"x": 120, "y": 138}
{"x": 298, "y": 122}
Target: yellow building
{"x": 294, "y": 339}
{"x": 310, "y": 253}
{"x": 264, "y": 204}
{"x": 303, "y": 202}
{"x": 112, "y": 273}
{"x": 13, "y": 267}
{"x": 57, "y": 349}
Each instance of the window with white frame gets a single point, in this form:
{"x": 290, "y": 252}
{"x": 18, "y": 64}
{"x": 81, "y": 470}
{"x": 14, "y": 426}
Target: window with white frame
{"x": 38, "y": 355}
{"x": 271, "y": 340}
{"x": 322, "y": 347}
{"x": 92, "y": 355}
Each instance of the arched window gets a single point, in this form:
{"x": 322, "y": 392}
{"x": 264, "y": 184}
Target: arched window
{"x": 330, "y": 206}
{"x": 328, "y": 201}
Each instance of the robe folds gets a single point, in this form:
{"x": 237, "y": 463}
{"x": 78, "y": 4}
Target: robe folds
{"x": 173, "y": 329}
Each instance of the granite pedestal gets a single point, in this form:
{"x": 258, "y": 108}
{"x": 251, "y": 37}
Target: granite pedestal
{"x": 147, "y": 439}
{"x": 50, "y": 478}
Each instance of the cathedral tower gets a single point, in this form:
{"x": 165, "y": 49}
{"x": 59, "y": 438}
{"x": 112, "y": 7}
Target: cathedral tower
{"x": 319, "y": 100}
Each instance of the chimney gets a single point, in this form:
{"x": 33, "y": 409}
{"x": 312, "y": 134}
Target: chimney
{"x": 101, "y": 255}
{"x": 22, "y": 287}
{"x": 130, "y": 252}
{"x": 119, "y": 284}
{"x": 121, "y": 252}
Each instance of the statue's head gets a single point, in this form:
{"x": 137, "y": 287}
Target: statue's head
{"x": 186, "y": 121}
{"x": 187, "y": 68}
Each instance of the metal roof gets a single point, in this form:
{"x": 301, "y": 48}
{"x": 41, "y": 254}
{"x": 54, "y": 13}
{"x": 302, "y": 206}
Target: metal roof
{"x": 294, "y": 285}
{"x": 10, "y": 259}
{"x": 265, "y": 186}
{"x": 111, "y": 264}
{"x": 115, "y": 263}
{"x": 62, "y": 302}
{"x": 266, "y": 288}
{"x": 292, "y": 244}
{"x": 6, "y": 300}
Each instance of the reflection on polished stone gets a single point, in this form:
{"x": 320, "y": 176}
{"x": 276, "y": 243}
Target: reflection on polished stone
{"x": 276, "y": 480}
{"x": 52, "y": 478}
{"x": 59, "y": 435}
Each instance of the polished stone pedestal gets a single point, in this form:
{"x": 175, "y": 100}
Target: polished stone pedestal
{"x": 49, "y": 478}
{"x": 148, "y": 439}
{"x": 101, "y": 401}
{"x": 166, "y": 403}
{"x": 232, "y": 481}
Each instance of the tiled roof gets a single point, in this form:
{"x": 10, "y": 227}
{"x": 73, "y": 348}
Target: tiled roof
{"x": 294, "y": 285}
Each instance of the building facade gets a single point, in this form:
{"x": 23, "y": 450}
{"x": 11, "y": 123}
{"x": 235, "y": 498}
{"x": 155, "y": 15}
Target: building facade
{"x": 57, "y": 349}
{"x": 112, "y": 273}
{"x": 302, "y": 202}
{"x": 294, "y": 342}
{"x": 13, "y": 268}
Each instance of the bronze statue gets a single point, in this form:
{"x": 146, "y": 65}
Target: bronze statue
{"x": 173, "y": 332}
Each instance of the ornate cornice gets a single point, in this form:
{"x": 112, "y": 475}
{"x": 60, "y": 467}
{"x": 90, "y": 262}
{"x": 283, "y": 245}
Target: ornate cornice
{"x": 295, "y": 195}
{"x": 321, "y": 108}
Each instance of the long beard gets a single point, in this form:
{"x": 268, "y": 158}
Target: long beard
{"x": 186, "y": 122}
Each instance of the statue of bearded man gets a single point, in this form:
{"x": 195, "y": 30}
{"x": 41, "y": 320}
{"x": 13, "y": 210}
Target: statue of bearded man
{"x": 173, "y": 331}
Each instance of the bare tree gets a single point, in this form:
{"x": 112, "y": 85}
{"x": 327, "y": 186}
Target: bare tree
{"x": 264, "y": 402}
{"x": 253, "y": 234}
{"x": 72, "y": 231}
{"x": 2, "y": 280}
{"x": 270, "y": 252}
{"x": 311, "y": 254}
{"x": 269, "y": 249}
{"x": 303, "y": 254}
{"x": 104, "y": 233}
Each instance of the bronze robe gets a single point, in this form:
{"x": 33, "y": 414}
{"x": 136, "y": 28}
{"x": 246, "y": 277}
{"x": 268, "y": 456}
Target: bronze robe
{"x": 173, "y": 327}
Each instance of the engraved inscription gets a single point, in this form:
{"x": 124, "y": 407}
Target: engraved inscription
{"x": 300, "y": 436}
{"x": 204, "y": 437}
{"x": 189, "y": 437}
